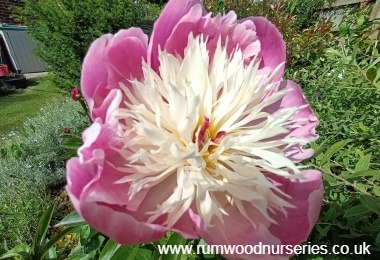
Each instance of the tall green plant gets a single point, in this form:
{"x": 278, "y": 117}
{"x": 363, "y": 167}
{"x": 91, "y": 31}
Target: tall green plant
{"x": 64, "y": 29}
{"x": 307, "y": 12}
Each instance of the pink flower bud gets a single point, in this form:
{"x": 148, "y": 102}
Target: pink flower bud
{"x": 75, "y": 94}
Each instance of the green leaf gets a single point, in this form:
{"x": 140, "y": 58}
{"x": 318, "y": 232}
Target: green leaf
{"x": 360, "y": 21}
{"x": 42, "y": 228}
{"x": 52, "y": 253}
{"x": 109, "y": 250}
{"x": 357, "y": 211}
{"x": 21, "y": 250}
{"x": 126, "y": 252}
{"x": 142, "y": 253}
{"x": 317, "y": 148}
{"x": 371, "y": 203}
{"x": 93, "y": 244}
{"x": 174, "y": 239}
{"x": 371, "y": 74}
{"x": 85, "y": 234}
{"x": 366, "y": 173}
{"x": 327, "y": 177}
{"x": 333, "y": 149}
{"x": 71, "y": 220}
{"x": 376, "y": 191}
{"x": 322, "y": 231}
{"x": 9, "y": 256}
{"x": 363, "y": 163}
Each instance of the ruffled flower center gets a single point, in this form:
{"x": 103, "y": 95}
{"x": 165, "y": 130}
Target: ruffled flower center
{"x": 211, "y": 125}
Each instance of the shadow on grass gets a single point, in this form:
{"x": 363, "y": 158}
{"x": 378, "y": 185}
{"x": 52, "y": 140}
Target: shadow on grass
{"x": 27, "y": 86}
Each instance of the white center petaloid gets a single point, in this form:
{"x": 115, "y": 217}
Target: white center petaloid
{"x": 205, "y": 123}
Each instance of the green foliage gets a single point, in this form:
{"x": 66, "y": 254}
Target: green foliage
{"x": 304, "y": 46}
{"x": 93, "y": 245}
{"x": 307, "y": 12}
{"x": 20, "y": 207}
{"x": 64, "y": 29}
{"x": 29, "y": 163}
{"x": 42, "y": 248}
{"x": 342, "y": 87}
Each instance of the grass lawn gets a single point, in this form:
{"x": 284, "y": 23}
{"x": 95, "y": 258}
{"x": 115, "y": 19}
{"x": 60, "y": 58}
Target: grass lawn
{"x": 21, "y": 104}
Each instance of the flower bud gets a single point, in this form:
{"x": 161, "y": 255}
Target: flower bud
{"x": 75, "y": 94}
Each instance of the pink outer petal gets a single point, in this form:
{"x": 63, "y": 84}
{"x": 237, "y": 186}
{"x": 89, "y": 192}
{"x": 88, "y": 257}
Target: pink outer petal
{"x": 163, "y": 27}
{"x": 78, "y": 176}
{"x": 110, "y": 61}
{"x": 305, "y": 121}
{"x": 190, "y": 225}
{"x": 106, "y": 206}
{"x": 102, "y": 206}
{"x": 127, "y": 50}
{"x": 178, "y": 39}
{"x": 119, "y": 225}
{"x": 237, "y": 230}
{"x": 98, "y": 197}
{"x": 94, "y": 69}
{"x": 292, "y": 229}
{"x": 273, "y": 49}
{"x": 222, "y": 27}
{"x": 103, "y": 203}
{"x": 307, "y": 197}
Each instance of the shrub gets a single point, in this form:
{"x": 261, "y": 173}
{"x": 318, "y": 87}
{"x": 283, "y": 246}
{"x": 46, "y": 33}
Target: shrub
{"x": 64, "y": 29}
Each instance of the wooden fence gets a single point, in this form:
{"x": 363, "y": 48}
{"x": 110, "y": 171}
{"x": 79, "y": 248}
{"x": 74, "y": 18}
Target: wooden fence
{"x": 341, "y": 3}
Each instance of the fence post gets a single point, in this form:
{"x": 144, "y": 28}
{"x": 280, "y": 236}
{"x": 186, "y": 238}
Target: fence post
{"x": 375, "y": 14}
{"x": 375, "y": 11}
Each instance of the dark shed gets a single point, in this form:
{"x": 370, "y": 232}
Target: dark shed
{"x": 17, "y": 47}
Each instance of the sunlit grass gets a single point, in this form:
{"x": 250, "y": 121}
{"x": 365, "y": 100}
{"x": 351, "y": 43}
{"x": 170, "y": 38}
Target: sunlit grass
{"x": 19, "y": 105}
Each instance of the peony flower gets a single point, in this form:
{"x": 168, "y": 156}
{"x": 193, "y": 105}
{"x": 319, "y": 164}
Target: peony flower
{"x": 195, "y": 132}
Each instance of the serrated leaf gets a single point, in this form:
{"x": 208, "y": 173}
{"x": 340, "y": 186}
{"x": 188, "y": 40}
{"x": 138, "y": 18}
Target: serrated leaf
{"x": 371, "y": 203}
